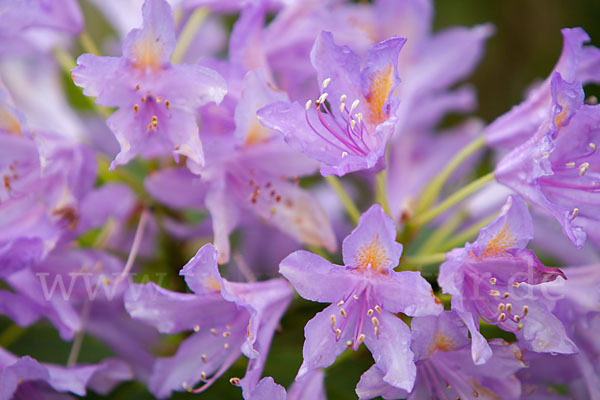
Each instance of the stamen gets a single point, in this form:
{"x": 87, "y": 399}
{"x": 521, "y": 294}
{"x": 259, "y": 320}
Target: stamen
{"x": 501, "y": 307}
{"x": 354, "y": 105}
{"x": 525, "y": 310}
{"x": 196, "y": 328}
{"x": 360, "y": 339}
{"x": 226, "y": 334}
{"x": 375, "y": 321}
{"x": 226, "y": 346}
{"x": 136, "y": 108}
{"x": 213, "y": 331}
{"x": 343, "y": 98}
{"x": 516, "y": 284}
{"x": 516, "y": 318}
{"x": 376, "y": 330}
{"x": 322, "y": 98}
{"x": 326, "y": 83}
{"x": 344, "y": 154}
{"x": 338, "y": 333}
{"x": 508, "y": 307}
{"x": 203, "y": 375}
{"x": 501, "y": 317}
{"x": 167, "y": 104}
{"x": 494, "y": 293}
{"x": 308, "y": 104}
{"x": 343, "y": 313}
{"x": 203, "y": 357}
{"x": 340, "y": 303}
{"x": 332, "y": 320}
{"x": 349, "y": 343}
{"x": 370, "y": 312}
{"x": 492, "y": 281}
{"x": 592, "y": 146}
{"x": 158, "y": 99}
{"x": 234, "y": 381}
{"x": 570, "y": 164}
{"x": 378, "y": 309}
{"x": 505, "y": 295}
{"x": 583, "y": 168}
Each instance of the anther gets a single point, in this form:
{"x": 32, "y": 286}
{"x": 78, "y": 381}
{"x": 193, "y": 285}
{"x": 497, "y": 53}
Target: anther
{"x": 378, "y": 309}
{"x": 501, "y": 317}
{"x": 360, "y": 338}
{"x": 516, "y": 318}
{"x": 358, "y": 117}
{"x": 203, "y": 375}
{"x": 352, "y": 124}
{"x": 308, "y": 104}
{"x": 203, "y": 357}
{"x": 344, "y": 154}
{"x": 326, "y": 83}
{"x": 137, "y": 87}
{"x": 355, "y": 297}
{"x": 226, "y": 334}
{"x": 234, "y": 381}
{"x": 136, "y": 108}
{"x": 501, "y": 307}
{"x": 349, "y": 343}
{"x": 213, "y": 331}
{"x": 583, "y": 168}
{"x": 343, "y": 98}
{"x": 158, "y": 99}
{"x": 332, "y": 320}
{"x": 516, "y": 284}
{"x": 154, "y": 120}
{"x": 343, "y": 313}
{"x": 475, "y": 394}
{"x": 375, "y": 321}
{"x": 196, "y": 328}
{"x": 494, "y": 293}
{"x": 354, "y": 105}
{"x": 340, "y": 303}
{"x": 508, "y": 307}
{"x": 342, "y": 107}
{"x": 149, "y": 126}
{"x": 505, "y": 295}
{"x": 492, "y": 281}
{"x": 575, "y": 212}
{"x": 322, "y": 98}
{"x": 376, "y": 330}
{"x": 338, "y": 333}
{"x": 525, "y": 310}
{"x": 570, "y": 164}
{"x": 592, "y": 146}
{"x": 226, "y": 346}
{"x": 167, "y": 104}
{"x": 370, "y": 312}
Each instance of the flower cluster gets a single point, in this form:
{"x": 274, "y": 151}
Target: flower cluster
{"x": 165, "y": 194}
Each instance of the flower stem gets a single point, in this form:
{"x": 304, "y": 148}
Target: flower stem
{"x": 78, "y": 341}
{"x": 351, "y": 208}
{"x": 87, "y": 43}
{"x": 435, "y": 240}
{"x": 467, "y": 234}
{"x": 381, "y": 192}
{"x": 137, "y": 241}
{"x": 188, "y": 33}
{"x": 432, "y": 191}
{"x": 421, "y": 260}
{"x": 452, "y": 200}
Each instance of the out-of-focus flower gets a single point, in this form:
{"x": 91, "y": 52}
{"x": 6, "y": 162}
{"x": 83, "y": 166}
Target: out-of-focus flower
{"x": 491, "y": 279}
{"x": 309, "y": 387}
{"x": 157, "y": 101}
{"x": 366, "y": 293}
{"x": 557, "y": 169}
{"x": 249, "y": 169}
{"x": 445, "y": 369}
{"x": 344, "y": 137}
{"x": 228, "y": 319}
{"x": 576, "y": 63}
{"x": 26, "y": 378}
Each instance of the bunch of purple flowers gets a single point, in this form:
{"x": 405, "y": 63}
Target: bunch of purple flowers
{"x": 221, "y": 142}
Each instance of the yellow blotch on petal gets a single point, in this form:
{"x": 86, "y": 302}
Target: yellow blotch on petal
{"x": 380, "y": 87}
{"x": 498, "y": 245}
{"x": 441, "y": 343}
{"x": 211, "y": 283}
{"x": 8, "y": 122}
{"x": 257, "y": 134}
{"x": 148, "y": 52}
{"x": 373, "y": 255}
{"x": 561, "y": 117}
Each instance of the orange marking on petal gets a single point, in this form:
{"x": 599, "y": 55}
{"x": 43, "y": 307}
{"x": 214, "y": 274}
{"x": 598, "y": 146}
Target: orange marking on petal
{"x": 498, "y": 245}
{"x": 211, "y": 283}
{"x": 148, "y": 52}
{"x": 379, "y": 89}
{"x": 257, "y": 133}
{"x": 373, "y": 255}
{"x": 561, "y": 117}
{"x": 8, "y": 122}
{"x": 441, "y": 343}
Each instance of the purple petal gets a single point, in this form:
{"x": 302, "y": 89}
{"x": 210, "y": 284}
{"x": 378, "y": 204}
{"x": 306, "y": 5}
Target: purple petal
{"x": 202, "y": 273}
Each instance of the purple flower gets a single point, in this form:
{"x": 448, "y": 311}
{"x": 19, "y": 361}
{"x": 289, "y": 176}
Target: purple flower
{"x": 228, "y": 318}
{"x": 26, "y": 378}
{"x": 492, "y": 279}
{"x": 557, "y": 169}
{"x": 353, "y": 119}
{"x": 309, "y": 387}
{"x": 156, "y": 100}
{"x": 250, "y": 171}
{"x": 576, "y": 302}
{"x": 43, "y": 181}
{"x": 576, "y": 63}
{"x": 445, "y": 369}
{"x": 366, "y": 293}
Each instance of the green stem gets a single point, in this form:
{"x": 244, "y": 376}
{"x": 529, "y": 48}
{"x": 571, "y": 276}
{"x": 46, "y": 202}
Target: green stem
{"x": 381, "y": 191}
{"x": 87, "y": 43}
{"x": 432, "y": 191}
{"x": 436, "y": 239}
{"x": 418, "y": 261}
{"x": 452, "y": 200}
{"x": 78, "y": 341}
{"x": 351, "y": 208}
{"x": 467, "y": 234}
{"x": 187, "y": 34}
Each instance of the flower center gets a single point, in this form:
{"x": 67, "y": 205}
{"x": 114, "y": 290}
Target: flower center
{"x": 372, "y": 256}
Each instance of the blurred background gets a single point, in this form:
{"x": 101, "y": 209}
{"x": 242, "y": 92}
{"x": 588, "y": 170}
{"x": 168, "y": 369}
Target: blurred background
{"x": 526, "y": 45}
